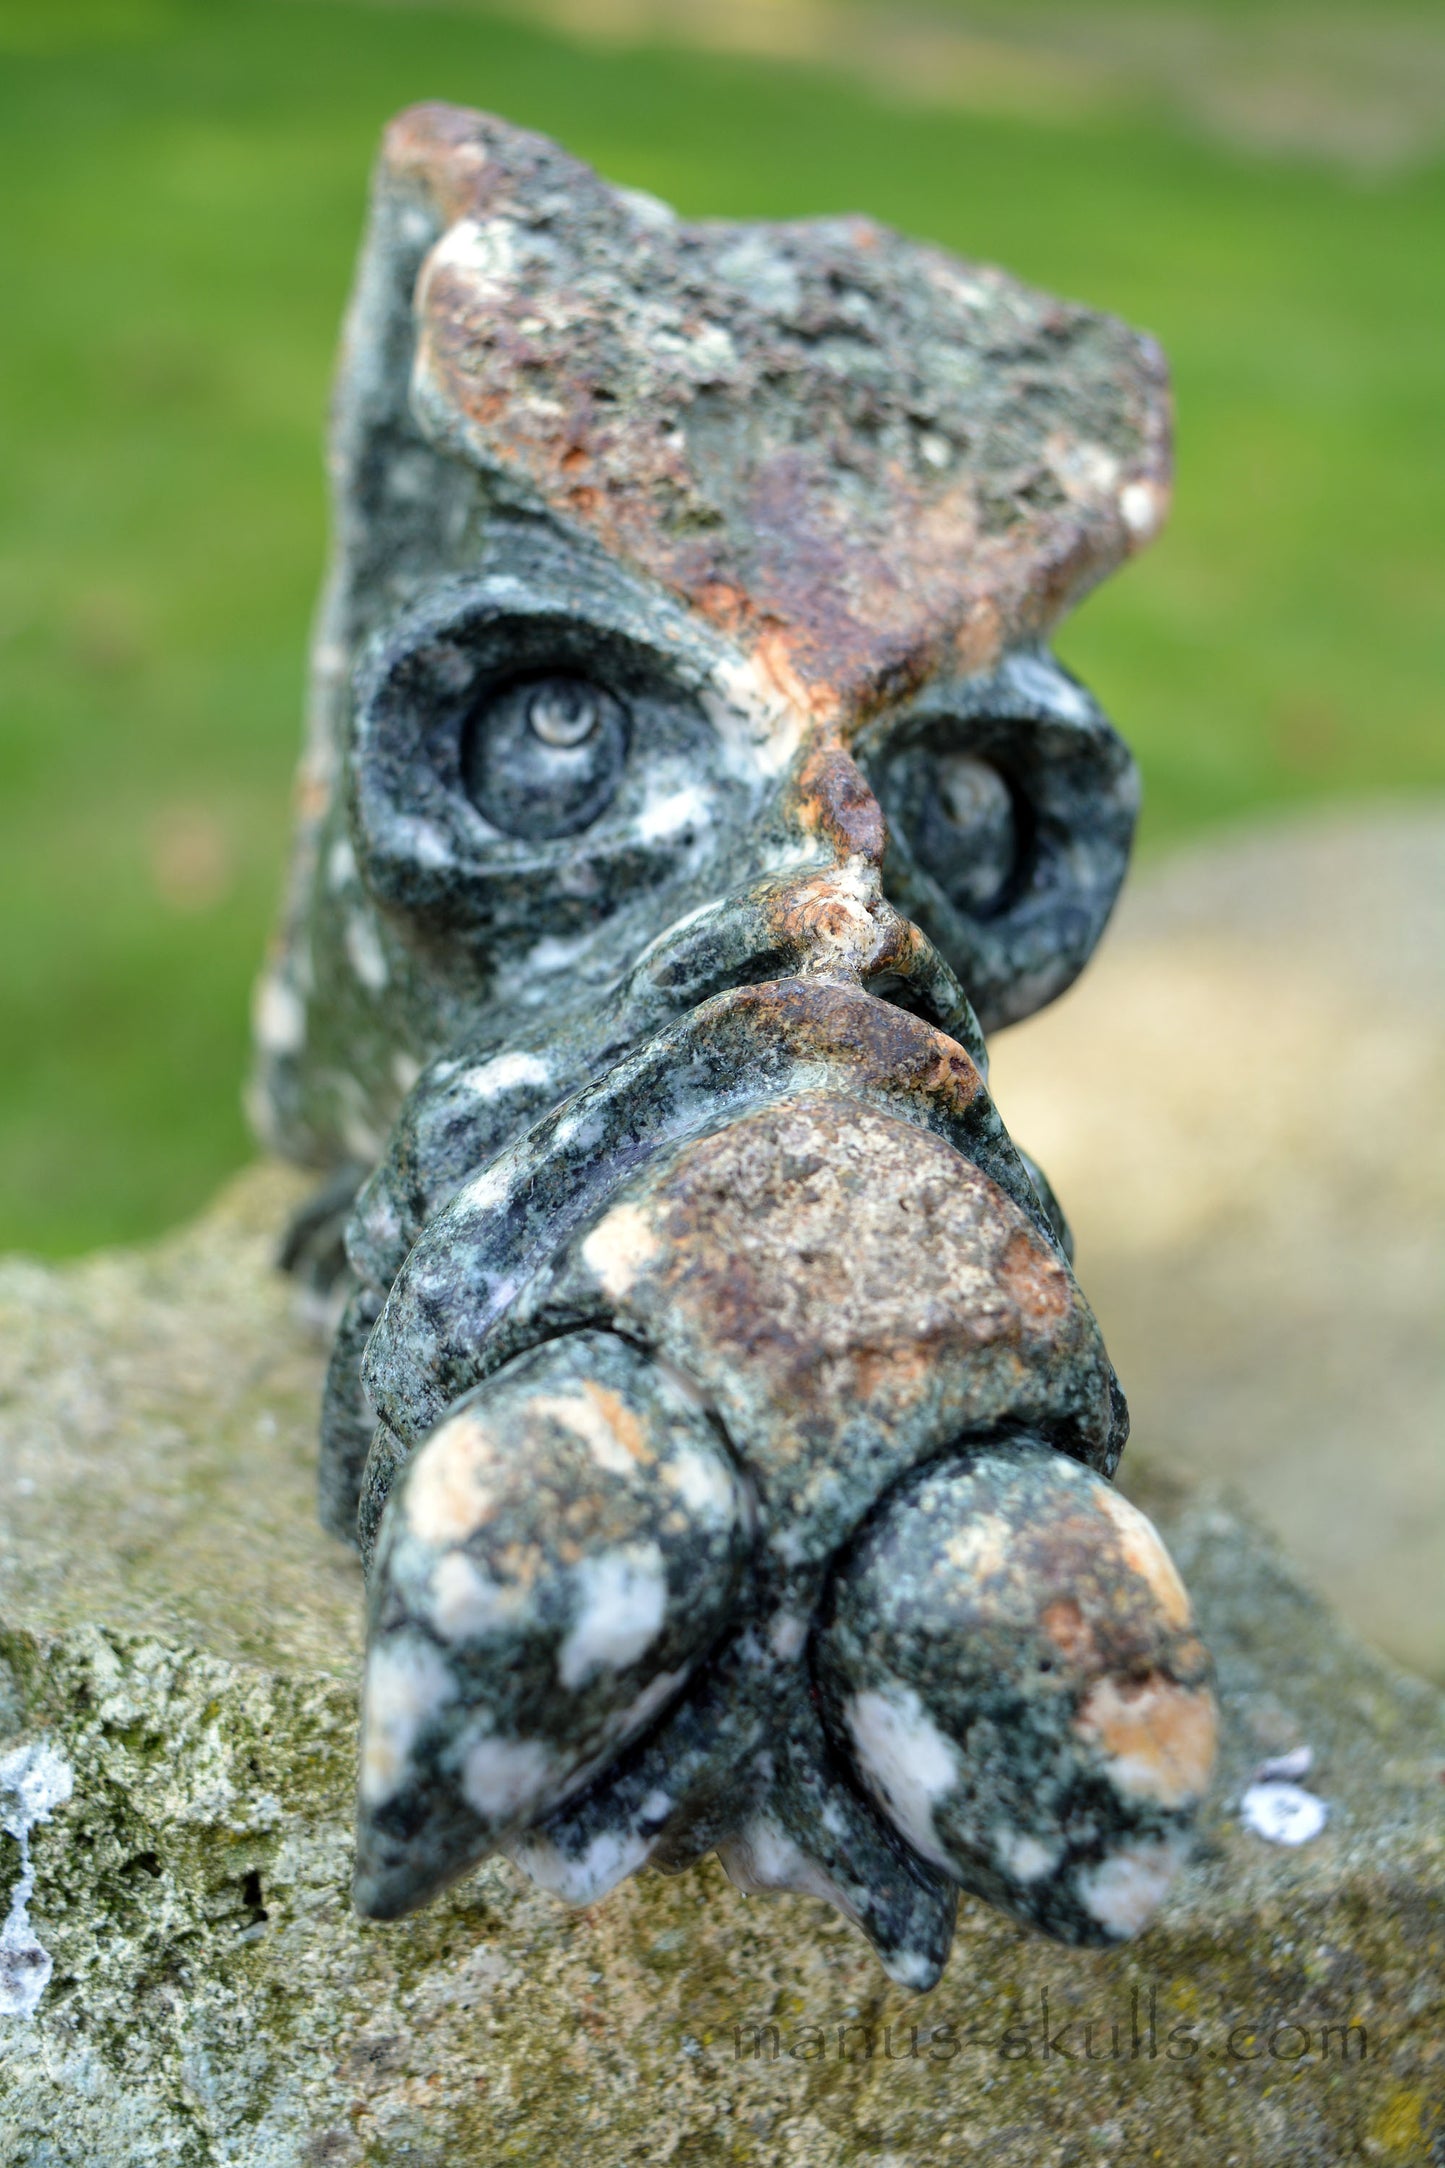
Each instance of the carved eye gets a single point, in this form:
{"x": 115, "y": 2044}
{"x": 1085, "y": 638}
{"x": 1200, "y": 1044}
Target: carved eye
{"x": 1011, "y": 804}
{"x": 544, "y": 756}
{"x": 960, "y": 820}
{"x": 966, "y": 832}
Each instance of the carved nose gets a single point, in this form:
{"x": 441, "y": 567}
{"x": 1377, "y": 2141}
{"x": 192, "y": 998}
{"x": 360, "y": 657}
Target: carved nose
{"x": 837, "y": 921}
{"x": 835, "y": 800}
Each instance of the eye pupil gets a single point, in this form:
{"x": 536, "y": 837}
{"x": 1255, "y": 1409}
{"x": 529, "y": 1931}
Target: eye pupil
{"x": 544, "y": 757}
{"x": 958, "y": 814}
{"x": 974, "y": 795}
{"x": 563, "y": 711}
{"x": 969, "y": 837}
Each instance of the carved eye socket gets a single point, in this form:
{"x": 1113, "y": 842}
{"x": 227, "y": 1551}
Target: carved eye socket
{"x": 1011, "y": 804}
{"x": 544, "y": 756}
{"x": 966, "y": 832}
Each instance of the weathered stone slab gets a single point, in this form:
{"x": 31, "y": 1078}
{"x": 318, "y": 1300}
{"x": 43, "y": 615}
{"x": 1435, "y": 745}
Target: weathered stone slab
{"x": 179, "y": 1631}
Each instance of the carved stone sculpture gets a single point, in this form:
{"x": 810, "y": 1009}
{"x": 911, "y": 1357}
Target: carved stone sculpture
{"x": 689, "y": 787}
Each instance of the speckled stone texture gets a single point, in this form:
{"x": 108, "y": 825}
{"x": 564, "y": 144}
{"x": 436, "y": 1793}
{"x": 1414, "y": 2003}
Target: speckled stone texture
{"x": 689, "y": 787}
{"x": 175, "y": 1626}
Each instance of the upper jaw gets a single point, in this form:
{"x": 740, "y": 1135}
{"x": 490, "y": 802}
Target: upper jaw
{"x": 460, "y": 1290}
{"x": 522, "y": 1061}
{"x": 507, "y": 1093}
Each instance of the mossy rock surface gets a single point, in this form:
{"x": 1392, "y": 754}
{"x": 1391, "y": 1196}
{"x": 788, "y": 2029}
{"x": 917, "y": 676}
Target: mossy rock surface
{"x": 176, "y": 1626}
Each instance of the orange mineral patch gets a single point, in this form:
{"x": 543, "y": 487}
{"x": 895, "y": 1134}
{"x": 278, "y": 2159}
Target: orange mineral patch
{"x": 1036, "y": 1280}
{"x": 448, "y": 1494}
{"x": 1157, "y": 1737}
{"x": 624, "y": 1422}
{"x": 1145, "y": 1555}
{"x": 601, "y": 1418}
{"x": 1069, "y": 1630}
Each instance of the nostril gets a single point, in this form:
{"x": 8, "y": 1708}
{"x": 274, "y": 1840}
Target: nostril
{"x": 923, "y": 986}
{"x": 908, "y": 995}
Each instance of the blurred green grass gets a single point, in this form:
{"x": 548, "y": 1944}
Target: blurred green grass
{"x": 184, "y": 187}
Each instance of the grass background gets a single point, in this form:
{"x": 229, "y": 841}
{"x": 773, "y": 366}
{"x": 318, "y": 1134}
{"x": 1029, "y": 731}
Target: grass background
{"x": 183, "y": 183}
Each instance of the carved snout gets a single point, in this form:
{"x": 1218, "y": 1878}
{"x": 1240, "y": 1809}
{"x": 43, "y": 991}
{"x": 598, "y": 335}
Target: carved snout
{"x": 778, "y": 1522}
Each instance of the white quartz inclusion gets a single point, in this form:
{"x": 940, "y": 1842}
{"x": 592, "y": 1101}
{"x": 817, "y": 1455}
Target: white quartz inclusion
{"x": 34, "y": 1781}
{"x": 1283, "y": 1813}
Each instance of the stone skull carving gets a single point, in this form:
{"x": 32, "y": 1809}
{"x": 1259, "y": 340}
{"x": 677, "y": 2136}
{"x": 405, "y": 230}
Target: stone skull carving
{"x": 688, "y": 782}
